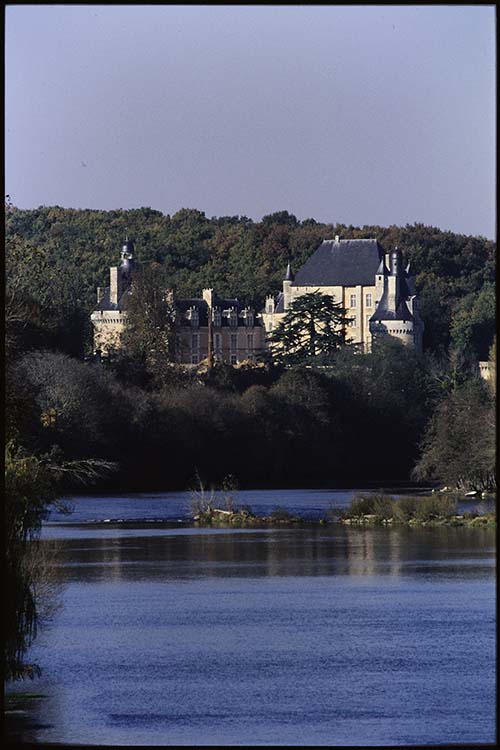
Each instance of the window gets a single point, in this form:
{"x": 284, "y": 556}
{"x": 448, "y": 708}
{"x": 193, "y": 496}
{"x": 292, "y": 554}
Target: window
{"x": 217, "y": 318}
{"x": 194, "y": 317}
{"x": 234, "y": 342}
{"x": 368, "y": 300}
{"x": 249, "y": 318}
{"x": 217, "y": 342}
{"x": 233, "y": 359}
{"x": 270, "y": 306}
{"x": 250, "y": 341}
{"x": 194, "y": 341}
{"x": 353, "y": 300}
{"x": 352, "y": 322}
{"x": 233, "y": 317}
{"x": 194, "y": 359}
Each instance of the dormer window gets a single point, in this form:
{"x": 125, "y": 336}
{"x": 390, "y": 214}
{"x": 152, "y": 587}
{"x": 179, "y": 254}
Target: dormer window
{"x": 194, "y": 317}
{"x": 233, "y": 317}
{"x": 270, "y": 306}
{"x": 217, "y": 317}
{"x": 249, "y": 318}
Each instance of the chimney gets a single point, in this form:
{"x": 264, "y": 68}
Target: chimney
{"x": 114, "y": 285}
{"x": 208, "y": 296}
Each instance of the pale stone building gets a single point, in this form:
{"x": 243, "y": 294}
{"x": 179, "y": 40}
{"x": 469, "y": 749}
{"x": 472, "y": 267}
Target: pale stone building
{"x": 212, "y": 326}
{"x": 375, "y": 289}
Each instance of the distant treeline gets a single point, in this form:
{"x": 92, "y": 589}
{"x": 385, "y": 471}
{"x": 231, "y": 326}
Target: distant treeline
{"x": 59, "y": 256}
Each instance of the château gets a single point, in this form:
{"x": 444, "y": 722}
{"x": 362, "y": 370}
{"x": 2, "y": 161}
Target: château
{"x": 375, "y": 288}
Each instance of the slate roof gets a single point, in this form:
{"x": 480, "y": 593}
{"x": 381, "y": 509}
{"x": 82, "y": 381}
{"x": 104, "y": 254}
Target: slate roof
{"x": 343, "y": 263}
{"x": 280, "y": 303}
{"x": 402, "y": 311}
{"x": 105, "y": 303}
{"x": 383, "y": 313}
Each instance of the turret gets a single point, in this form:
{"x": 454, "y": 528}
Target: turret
{"x": 394, "y": 278}
{"x": 119, "y": 276}
{"x": 287, "y": 286}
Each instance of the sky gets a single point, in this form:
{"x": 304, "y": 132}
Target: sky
{"x": 360, "y": 115}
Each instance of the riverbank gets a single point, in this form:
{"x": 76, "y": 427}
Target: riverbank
{"x": 381, "y": 510}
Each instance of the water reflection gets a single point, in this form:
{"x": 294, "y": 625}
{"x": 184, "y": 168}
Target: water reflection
{"x": 305, "y": 636}
{"x": 312, "y": 551}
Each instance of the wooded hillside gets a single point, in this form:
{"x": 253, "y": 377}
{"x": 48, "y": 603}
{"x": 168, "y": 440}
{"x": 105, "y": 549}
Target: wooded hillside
{"x": 59, "y": 256}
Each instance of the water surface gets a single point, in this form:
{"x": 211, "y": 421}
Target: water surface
{"x": 300, "y": 636}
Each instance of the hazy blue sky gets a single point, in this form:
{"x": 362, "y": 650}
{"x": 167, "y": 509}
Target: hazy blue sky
{"x": 363, "y": 115}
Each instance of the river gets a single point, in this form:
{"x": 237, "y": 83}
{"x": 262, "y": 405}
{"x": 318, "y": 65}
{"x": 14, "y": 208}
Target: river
{"x": 317, "y": 635}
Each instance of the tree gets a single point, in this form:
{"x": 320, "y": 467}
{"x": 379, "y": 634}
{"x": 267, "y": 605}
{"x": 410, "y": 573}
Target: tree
{"x": 149, "y": 333}
{"x": 313, "y": 325}
{"x": 474, "y": 321}
{"x": 32, "y": 487}
{"x": 458, "y": 447}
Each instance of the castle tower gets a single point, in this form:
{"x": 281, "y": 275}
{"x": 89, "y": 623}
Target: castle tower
{"x": 287, "y": 286}
{"x": 108, "y": 318}
{"x": 396, "y": 314}
{"x": 120, "y": 276}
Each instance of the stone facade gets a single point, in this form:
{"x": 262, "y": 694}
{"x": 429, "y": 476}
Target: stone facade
{"x": 208, "y": 326}
{"x": 375, "y": 289}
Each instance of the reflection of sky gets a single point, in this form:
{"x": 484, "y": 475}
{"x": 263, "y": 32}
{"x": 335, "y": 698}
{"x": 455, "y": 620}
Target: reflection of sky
{"x": 176, "y": 506}
{"x": 286, "y": 658}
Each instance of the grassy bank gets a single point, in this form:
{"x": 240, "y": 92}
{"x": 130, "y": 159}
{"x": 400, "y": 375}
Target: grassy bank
{"x": 364, "y": 509}
{"x": 432, "y": 510}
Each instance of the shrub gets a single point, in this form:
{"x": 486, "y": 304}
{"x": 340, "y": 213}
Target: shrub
{"x": 435, "y": 507}
{"x": 404, "y": 509}
{"x": 360, "y": 506}
{"x": 383, "y": 506}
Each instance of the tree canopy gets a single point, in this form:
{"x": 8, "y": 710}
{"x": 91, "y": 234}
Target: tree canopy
{"x": 313, "y": 326}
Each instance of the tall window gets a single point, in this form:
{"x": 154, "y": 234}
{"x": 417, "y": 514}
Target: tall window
{"x": 250, "y": 342}
{"x": 368, "y": 300}
{"x": 194, "y": 317}
{"x": 195, "y": 341}
{"x": 217, "y": 317}
{"x": 234, "y": 342}
{"x": 233, "y": 317}
{"x": 353, "y": 300}
{"x": 249, "y": 318}
{"x": 217, "y": 342}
